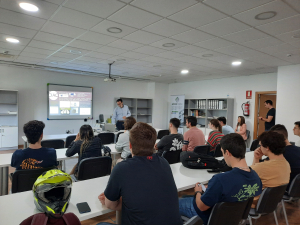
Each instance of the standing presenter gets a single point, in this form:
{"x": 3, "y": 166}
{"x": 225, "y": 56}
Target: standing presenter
{"x": 120, "y": 113}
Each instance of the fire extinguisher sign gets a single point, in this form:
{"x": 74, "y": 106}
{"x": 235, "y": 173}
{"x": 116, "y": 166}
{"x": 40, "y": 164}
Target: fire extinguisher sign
{"x": 248, "y": 94}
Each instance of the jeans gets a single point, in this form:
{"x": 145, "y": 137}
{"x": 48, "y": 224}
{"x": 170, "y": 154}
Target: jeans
{"x": 120, "y": 125}
{"x": 186, "y": 207}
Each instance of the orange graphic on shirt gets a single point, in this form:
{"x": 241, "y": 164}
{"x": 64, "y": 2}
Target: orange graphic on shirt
{"x": 30, "y": 164}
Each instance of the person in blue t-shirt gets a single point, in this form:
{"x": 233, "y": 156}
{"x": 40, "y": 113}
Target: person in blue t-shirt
{"x": 226, "y": 129}
{"x": 238, "y": 184}
{"x": 34, "y": 157}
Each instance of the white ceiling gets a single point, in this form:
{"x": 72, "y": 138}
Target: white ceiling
{"x": 72, "y": 34}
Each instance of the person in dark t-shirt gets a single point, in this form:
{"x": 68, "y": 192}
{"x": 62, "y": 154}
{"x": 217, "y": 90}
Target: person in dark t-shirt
{"x": 171, "y": 142}
{"x": 270, "y": 118}
{"x": 143, "y": 186}
{"x": 239, "y": 184}
{"x": 34, "y": 157}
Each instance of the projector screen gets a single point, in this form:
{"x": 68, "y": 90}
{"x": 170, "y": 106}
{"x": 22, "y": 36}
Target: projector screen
{"x": 69, "y": 102}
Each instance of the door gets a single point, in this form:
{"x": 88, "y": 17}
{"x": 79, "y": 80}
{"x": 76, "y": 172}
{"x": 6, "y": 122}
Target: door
{"x": 9, "y": 137}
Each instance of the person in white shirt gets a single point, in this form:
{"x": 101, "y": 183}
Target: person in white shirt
{"x": 226, "y": 129}
{"x": 297, "y": 132}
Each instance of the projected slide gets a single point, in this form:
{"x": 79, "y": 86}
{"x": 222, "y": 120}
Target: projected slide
{"x": 69, "y": 102}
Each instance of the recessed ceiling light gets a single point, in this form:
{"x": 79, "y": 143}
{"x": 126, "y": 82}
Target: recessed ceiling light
{"x": 207, "y": 55}
{"x": 265, "y": 15}
{"x": 75, "y": 52}
{"x": 296, "y": 36}
{"x": 12, "y": 40}
{"x": 28, "y": 7}
{"x": 114, "y": 30}
{"x": 168, "y": 45}
{"x": 236, "y": 63}
{"x": 184, "y": 71}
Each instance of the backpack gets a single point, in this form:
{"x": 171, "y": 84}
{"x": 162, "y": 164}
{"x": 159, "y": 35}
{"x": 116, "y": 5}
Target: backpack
{"x": 43, "y": 219}
{"x": 194, "y": 160}
{"x": 106, "y": 151}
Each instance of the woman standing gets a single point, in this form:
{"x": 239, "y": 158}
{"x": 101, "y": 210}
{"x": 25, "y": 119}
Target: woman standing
{"x": 215, "y": 135}
{"x": 241, "y": 127}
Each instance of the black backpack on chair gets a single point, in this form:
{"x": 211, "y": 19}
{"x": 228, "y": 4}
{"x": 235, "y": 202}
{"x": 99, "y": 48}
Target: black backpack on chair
{"x": 194, "y": 160}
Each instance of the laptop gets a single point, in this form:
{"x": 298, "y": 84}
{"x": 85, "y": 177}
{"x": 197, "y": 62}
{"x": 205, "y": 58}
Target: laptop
{"x": 110, "y": 127}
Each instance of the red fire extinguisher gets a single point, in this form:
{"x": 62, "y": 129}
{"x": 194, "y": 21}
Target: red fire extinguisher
{"x": 246, "y": 108}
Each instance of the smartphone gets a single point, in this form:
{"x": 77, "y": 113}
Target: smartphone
{"x": 83, "y": 207}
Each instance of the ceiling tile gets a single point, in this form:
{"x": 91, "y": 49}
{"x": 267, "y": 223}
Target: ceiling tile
{"x": 170, "y": 55}
{"x": 288, "y": 37}
{"x": 190, "y": 50}
{"x": 278, "y": 48}
{"x": 166, "y": 28}
{"x": 279, "y": 7}
{"x": 224, "y": 59}
{"x": 97, "y": 38}
{"x": 63, "y": 30}
{"x": 123, "y": 44}
{"x": 214, "y": 43}
{"x": 163, "y": 8}
{"x": 99, "y": 55}
{"x": 134, "y": 17}
{"x": 245, "y": 35}
{"x": 294, "y": 4}
{"x": 133, "y": 55}
{"x": 58, "y": 2}
{"x": 110, "y": 50}
{"x": 52, "y": 38}
{"x": 261, "y": 43}
{"x": 192, "y": 36}
{"x": 268, "y": 60}
{"x": 224, "y": 26}
{"x": 232, "y": 49}
{"x": 154, "y": 59}
{"x": 92, "y": 59}
{"x": 248, "y": 54}
{"x": 21, "y": 20}
{"x": 197, "y": 15}
{"x": 10, "y": 46}
{"x": 33, "y": 55}
{"x": 281, "y": 26}
{"x": 84, "y": 45}
{"x": 143, "y": 37}
{"x": 16, "y": 31}
{"x": 149, "y": 50}
{"x": 38, "y": 51}
{"x": 46, "y": 9}
{"x": 27, "y": 60}
{"x": 103, "y": 8}
{"x": 159, "y": 44}
{"x": 74, "y": 51}
{"x": 66, "y": 56}
{"x": 76, "y": 19}
{"x": 213, "y": 53}
{"x": 104, "y": 25}
{"x": 44, "y": 45}
{"x": 232, "y": 7}
{"x": 23, "y": 41}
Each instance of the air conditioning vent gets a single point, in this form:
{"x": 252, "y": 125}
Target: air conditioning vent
{"x": 7, "y": 56}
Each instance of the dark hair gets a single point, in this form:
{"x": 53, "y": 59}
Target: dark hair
{"x": 275, "y": 141}
{"x": 129, "y": 122}
{"x": 242, "y": 121}
{"x": 297, "y": 123}
{"x": 33, "y": 130}
{"x": 235, "y": 144}
{"x": 192, "y": 120}
{"x": 216, "y": 124}
{"x": 222, "y": 119}
{"x": 142, "y": 138}
{"x": 279, "y": 128}
{"x": 269, "y": 102}
{"x": 119, "y": 100}
{"x": 175, "y": 122}
{"x": 86, "y": 135}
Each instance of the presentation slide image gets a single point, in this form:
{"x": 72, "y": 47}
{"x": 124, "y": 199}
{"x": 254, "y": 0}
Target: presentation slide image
{"x": 74, "y": 111}
{"x": 64, "y": 104}
{"x": 85, "y": 111}
{"x": 63, "y": 95}
{"x": 54, "y": 110}
{"x": 75, "y": 104}
{"x": 65, "y": 111}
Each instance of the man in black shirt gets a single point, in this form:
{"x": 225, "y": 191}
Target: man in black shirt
{"x": 143, "y": 186}
{"x": 171, "y": 142}
{"x": 270, "y": 118}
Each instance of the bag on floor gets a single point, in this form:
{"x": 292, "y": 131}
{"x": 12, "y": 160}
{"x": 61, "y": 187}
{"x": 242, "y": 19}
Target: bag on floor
{"x": 43, "y": 219}
{"x": 194, "y": 160}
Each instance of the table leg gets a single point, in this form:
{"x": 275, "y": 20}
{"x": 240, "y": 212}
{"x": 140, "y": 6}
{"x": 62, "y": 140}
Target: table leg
{"x": 4, "y": 181}
{"x": 118, "y": 217}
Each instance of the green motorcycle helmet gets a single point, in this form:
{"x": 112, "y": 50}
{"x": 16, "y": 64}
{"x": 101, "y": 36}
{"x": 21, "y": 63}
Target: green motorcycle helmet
{"x": 52, "y": 192}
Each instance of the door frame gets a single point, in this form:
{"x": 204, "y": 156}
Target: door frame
{"x": 256, "y": 108}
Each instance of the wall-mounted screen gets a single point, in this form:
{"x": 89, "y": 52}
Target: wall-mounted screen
{"x": 69, "y": 102}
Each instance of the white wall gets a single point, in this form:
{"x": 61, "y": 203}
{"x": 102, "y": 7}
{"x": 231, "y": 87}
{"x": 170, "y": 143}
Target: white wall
{"x": 235, "y": 87}
{"x": 288, "y": 98}
{"x": 32, "y": 87}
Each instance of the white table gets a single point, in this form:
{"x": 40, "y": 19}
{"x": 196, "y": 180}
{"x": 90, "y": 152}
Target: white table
{"x": 48, "y": 137}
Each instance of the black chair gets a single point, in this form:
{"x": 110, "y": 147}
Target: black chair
{"x": 23, "y": 180}
{"x": 254, "y": 145}
{"x": 118, "y": 136}
{"x": 248, "y": 137}
{"x": 218, "y": 152}
{"x": 162, "y": 133}
{"x": 172, "y": 156}
{"x": 69, "y": 139}
{"x": 292, "y": 143}
{"x": 267, "y": 203}
{"x": 94, "y": 167}
{"x": 202, "y": 149}
{"x": 55, "y": 143}
{"x": 107, "y": 138}
{"x": 294, "y": 190}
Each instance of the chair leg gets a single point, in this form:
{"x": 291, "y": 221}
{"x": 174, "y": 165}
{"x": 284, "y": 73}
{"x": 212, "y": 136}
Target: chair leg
{"x": 284, "y": 212}
{"x": 250, "y": 220}
{"x": 276, "y": 221}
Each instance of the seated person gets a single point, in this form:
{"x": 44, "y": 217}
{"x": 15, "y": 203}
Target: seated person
{"x": 214, "y": 136}
{"x": 241, "y": 127}
{"x": 226, "y": 129}
{"x": 171, "y": 142}
{"x": 291, "y": 153}
{"x": 85, "y": 144}
{"x": 143, "y": 186}
{"x": 297, "y": 132}
{"x": 238, "y": 184}
{"x": 123, "y": 142}
{"x": 35, "y": 156}
{"x": 275, "y": 171}
{"x": 194, "y": 136}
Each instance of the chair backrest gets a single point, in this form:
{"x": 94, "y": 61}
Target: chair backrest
{"x": 55, "y": 143}
{"x": 23, "y": 180}
{"x": 248, "y": 134}
{"x": 202, "y": 149}
{"x": 292, "y": 143}
{"x": 254, "y": 145}
{"x": 162, "y": 133}
{"x": 172, "y": 156}
{"x": 69, "y": 139}
{"x": 107, "y": 138}
{"x": 269, "y": 199}
{"x": 94, "y": 167}
{"x": 294, "y": 190}
{"x": 195, "y": 220}
{"x": 218, "y": 152}
{"x": 118, "y": 136}
{"x": 229, "y": 212}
